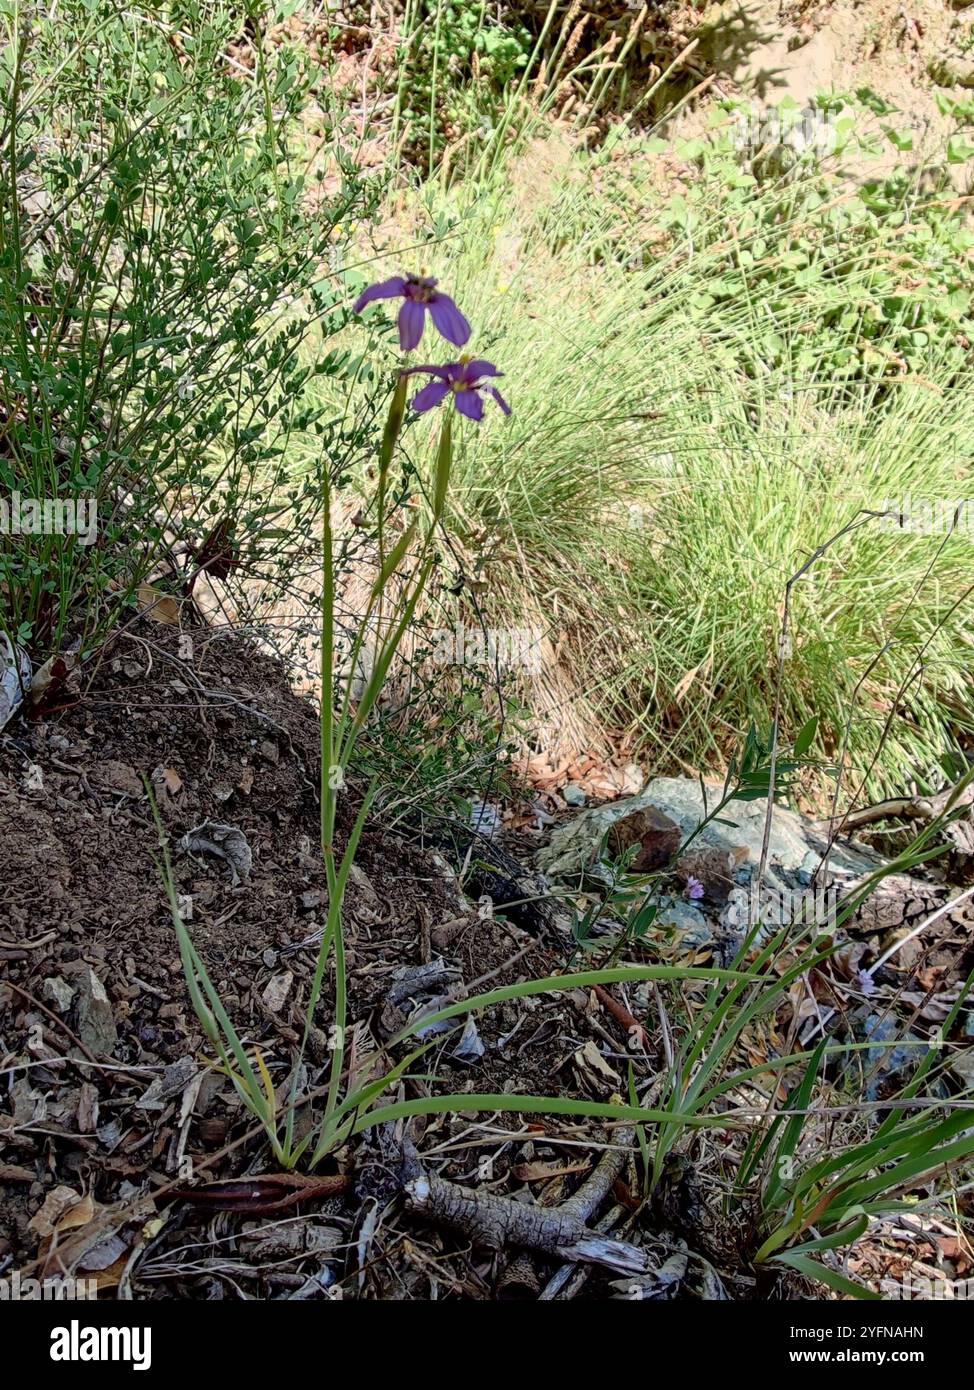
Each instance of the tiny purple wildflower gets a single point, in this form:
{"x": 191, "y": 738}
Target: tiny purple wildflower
{"x": 465, "y": 379}
{"x": 420, "y": 293}
{"x": 866, "y": 982}
{"x": 694, "y": 889}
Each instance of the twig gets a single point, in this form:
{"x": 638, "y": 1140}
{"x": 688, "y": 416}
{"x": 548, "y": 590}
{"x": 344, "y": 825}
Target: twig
{"x": 567, "y": 1280}
{"x": 622, "y": 1016}
{"x": 923, "y": 808}
{"x": 58, "y": 1021}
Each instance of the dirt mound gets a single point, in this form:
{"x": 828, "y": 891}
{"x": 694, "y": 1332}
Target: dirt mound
{"x": 110, "y": 1098}
{"x": 109, "y": 1095}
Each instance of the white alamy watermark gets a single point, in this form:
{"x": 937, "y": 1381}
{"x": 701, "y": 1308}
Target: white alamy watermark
{"x": 914, "y": 1286}
{"x": 784, "y": 907}
{"x": 803, "y": 129}
{"x": 16, "y": 1289}
{"x": 49, "y": 516}
{"x": 76, "y": 1342}
{"x": 929, "y": 516}
{"x": 503, "y": 648}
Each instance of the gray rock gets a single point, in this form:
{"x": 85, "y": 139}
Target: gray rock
{"x": 793, "y": 851}
{"x": 695, "y": 931}
{"x": 573, "y": 795}
{"x": 95, "y": 1017}
{"x": 953, "y": 69}
{"x": 892, "y": 1057}
{"x": 57, "y": 992}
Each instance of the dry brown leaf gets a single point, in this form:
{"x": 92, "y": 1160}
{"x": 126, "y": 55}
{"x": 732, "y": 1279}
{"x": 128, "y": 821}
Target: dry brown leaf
{"x": 594, "y": 1071}
{"x": 109, "y": 1278}
{"x": 160, "y": 607}
{"x": 55, "y": 670}
{"x": 539, "y": 1171}
{"x": 58, "y": 1201}
{"x": 12, "y": 1172}
{"x": 79, "y": 1215}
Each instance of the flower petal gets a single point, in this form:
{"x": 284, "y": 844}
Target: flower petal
{"x": 470, "y": 404}
{"x": 448, "y": 319}
{"x": 430, "y": 396}
{"x": 385, "y": 289}
{"x": 499, "y": 399}
{"x": 446, "y": 371}
{"x": 479, "y": 367}
{"x": 412, "y": 316}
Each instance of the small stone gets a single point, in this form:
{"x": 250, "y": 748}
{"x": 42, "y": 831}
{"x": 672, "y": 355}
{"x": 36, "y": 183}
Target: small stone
{"x": 657, "y": 836}
{"x": 277, "y": 990}
{"x": 360, "y": 879}
{"x": 57, "y": 992}
{"x": 573, "y": 795}
{"x": 118, "y": 776}
{"x": 95, "y": 1019}
{"x": 695, "y": 931}
{"x": 270, "y": 752}
{"x": 714, "y": 867}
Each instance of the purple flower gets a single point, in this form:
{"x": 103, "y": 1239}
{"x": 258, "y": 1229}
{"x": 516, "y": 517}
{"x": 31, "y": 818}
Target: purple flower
{"x": 420, "y": 294}
{"x": 465, "y": 379}
{"x": 694, "y": 888}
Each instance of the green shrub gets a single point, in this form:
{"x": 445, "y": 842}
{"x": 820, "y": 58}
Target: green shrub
{"x": 158, "y": 270}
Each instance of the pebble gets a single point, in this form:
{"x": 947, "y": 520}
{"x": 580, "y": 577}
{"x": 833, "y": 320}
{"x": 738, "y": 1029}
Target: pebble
{"x": 57, "y": 992}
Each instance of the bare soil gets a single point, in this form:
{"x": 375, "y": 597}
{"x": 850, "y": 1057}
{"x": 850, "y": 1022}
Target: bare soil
{"x": 214, "y": 728}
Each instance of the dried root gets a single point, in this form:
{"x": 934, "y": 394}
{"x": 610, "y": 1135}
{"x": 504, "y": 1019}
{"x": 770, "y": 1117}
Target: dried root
{"x": 559, "y": 1232}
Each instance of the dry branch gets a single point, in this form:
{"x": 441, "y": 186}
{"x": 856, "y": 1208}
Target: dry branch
{"x": 560, "y": 1232}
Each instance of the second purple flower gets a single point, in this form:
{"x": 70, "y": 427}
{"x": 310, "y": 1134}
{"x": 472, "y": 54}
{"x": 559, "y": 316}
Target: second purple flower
{"x": 465, "y": 380}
